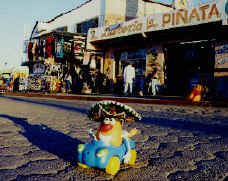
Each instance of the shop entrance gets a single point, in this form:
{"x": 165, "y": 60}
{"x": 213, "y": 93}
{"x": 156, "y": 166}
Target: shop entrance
{"x": 188, "y": 64}
{"x": 138, "y": 60}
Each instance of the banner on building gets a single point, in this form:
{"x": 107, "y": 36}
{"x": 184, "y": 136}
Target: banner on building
{"x": 221, "y": 58}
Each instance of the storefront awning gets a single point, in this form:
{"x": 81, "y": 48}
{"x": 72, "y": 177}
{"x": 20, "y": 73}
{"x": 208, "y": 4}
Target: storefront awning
{"x": 68, "y": 35}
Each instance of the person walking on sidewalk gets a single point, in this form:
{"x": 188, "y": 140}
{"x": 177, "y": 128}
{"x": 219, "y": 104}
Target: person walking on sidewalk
{"x": 129, "y": 76}
{"x": 68, "y": 80}
{"x": 154, "y": 84}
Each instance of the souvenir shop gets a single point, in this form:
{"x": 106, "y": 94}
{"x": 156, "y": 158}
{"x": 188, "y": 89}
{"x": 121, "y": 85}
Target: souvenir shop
{"x": 146, "y": 59}
{"x": 181, "y": 47}
{"x": 51, "y": 58}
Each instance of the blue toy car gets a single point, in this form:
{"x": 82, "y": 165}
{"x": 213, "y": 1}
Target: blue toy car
{"x": 103, "y": 155}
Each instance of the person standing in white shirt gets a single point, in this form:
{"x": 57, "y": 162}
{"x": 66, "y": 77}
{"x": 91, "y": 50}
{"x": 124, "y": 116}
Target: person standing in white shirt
{"x": 129, "y": 76}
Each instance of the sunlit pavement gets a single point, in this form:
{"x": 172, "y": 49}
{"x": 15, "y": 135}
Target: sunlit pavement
{"x": 39, "y": 136}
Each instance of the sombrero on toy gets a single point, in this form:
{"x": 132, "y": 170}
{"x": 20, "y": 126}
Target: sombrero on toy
{"x": 104, "y": 109}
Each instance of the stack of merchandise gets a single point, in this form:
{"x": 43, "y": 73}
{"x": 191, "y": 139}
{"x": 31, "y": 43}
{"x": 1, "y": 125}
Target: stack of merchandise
{"x": 35, "y": 82}
{"x": 23, "y": 84}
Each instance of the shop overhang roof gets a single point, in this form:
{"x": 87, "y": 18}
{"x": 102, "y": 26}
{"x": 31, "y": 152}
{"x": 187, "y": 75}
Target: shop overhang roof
{"x": 207, "y": 31}
{"x": 59, "y": 34}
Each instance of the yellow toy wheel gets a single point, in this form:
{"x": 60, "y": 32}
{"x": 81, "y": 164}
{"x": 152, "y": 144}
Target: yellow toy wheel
{"x": 82, "y": 165}
{"x": 133, "y": 157}
{"x": 113, "y": 166}
{"x": 197, "y": 98}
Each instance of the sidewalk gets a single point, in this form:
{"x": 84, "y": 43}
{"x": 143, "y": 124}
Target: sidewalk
{"x": 173, "y": 100}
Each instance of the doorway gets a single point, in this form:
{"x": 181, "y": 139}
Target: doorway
{"x": 188, "y": 64}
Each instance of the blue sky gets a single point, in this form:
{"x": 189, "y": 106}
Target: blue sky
{"x": 15, "y": 14}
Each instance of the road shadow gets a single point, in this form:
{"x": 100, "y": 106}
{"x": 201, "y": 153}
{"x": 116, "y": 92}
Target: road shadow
{"x": 206, "y": 128}
{"x": 41, "y": 102}
{"x": 52, "y": 141}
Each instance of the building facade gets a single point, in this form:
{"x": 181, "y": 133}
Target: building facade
{"x": 184, "y": 46}
{"x": 99, "y": 13}
{"x": 57, "y": 46}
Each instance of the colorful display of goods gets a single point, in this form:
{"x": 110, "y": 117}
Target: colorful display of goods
{"x": 34, "y": 82}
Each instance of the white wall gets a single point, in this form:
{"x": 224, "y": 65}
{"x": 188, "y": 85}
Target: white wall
{"x": 87, "y": 11}
{"x": 115, "y": 12}
{"x": 108, "y": 11}
{"x": 152, "y": 8}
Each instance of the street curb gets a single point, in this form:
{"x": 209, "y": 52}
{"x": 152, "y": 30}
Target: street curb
{"x": 180, "y": 102}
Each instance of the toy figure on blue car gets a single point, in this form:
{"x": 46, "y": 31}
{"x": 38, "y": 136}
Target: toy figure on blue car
{"x": 110, "y": 145}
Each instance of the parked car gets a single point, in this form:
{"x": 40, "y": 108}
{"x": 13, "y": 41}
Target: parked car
{"x": 3, "y": 85}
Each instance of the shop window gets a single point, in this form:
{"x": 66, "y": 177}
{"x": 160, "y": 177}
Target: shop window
{"x": 136, "y": 58}
{"x": 86, "y": 25}
{"x": 79, "y": 28}
{"x": 191, "y": 55}
{"x": 62, "y": 29}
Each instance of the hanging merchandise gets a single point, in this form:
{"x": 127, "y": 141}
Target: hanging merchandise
{"x": 59, "y": 48}
{"x": 93, "y": 64}
{"x": 44, "y": 48}
{"x": 67, "y": 50}
{"x": 50, "y": 48}
{"x": 30, "y": 55}
{"x": 34, "y": 50}
{"x": 34, "y": 47}
{"x": 38, "y": 68}
{"x": 49, "y": 60}
{"x": 25, "y": 47}
{"x": 37, "y": 50}
{"x": 40, "y": 49}
{"x": 79, "y": 48}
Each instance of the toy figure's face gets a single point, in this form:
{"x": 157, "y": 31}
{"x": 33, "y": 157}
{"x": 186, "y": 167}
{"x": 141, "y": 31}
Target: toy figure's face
{"x": 110, "y": 130}
{"x": 198, "y": 87}
{"x": 107, "y": 124}
{"x": 110, "y": 125}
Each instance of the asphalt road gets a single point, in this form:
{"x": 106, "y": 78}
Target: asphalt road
{"x": 39, "y": 137}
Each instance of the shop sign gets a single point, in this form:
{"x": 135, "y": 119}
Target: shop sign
{"x": 221, "y": 55}
{"x": 121, "y": 29}
{"x": 210, "y": 12}
{"x": 124, "y": 29}
{"x": 184, "y": 17}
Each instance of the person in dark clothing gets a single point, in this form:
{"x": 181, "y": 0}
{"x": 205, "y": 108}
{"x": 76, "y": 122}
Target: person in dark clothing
{"x": 77, "y": 79}
{"x": 99, "y": 82}
{"x": 16, "y": 85}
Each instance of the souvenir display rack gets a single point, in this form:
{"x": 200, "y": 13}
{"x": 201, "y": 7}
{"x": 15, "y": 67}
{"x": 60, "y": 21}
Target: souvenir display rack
{"x": 51, "y": 56}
